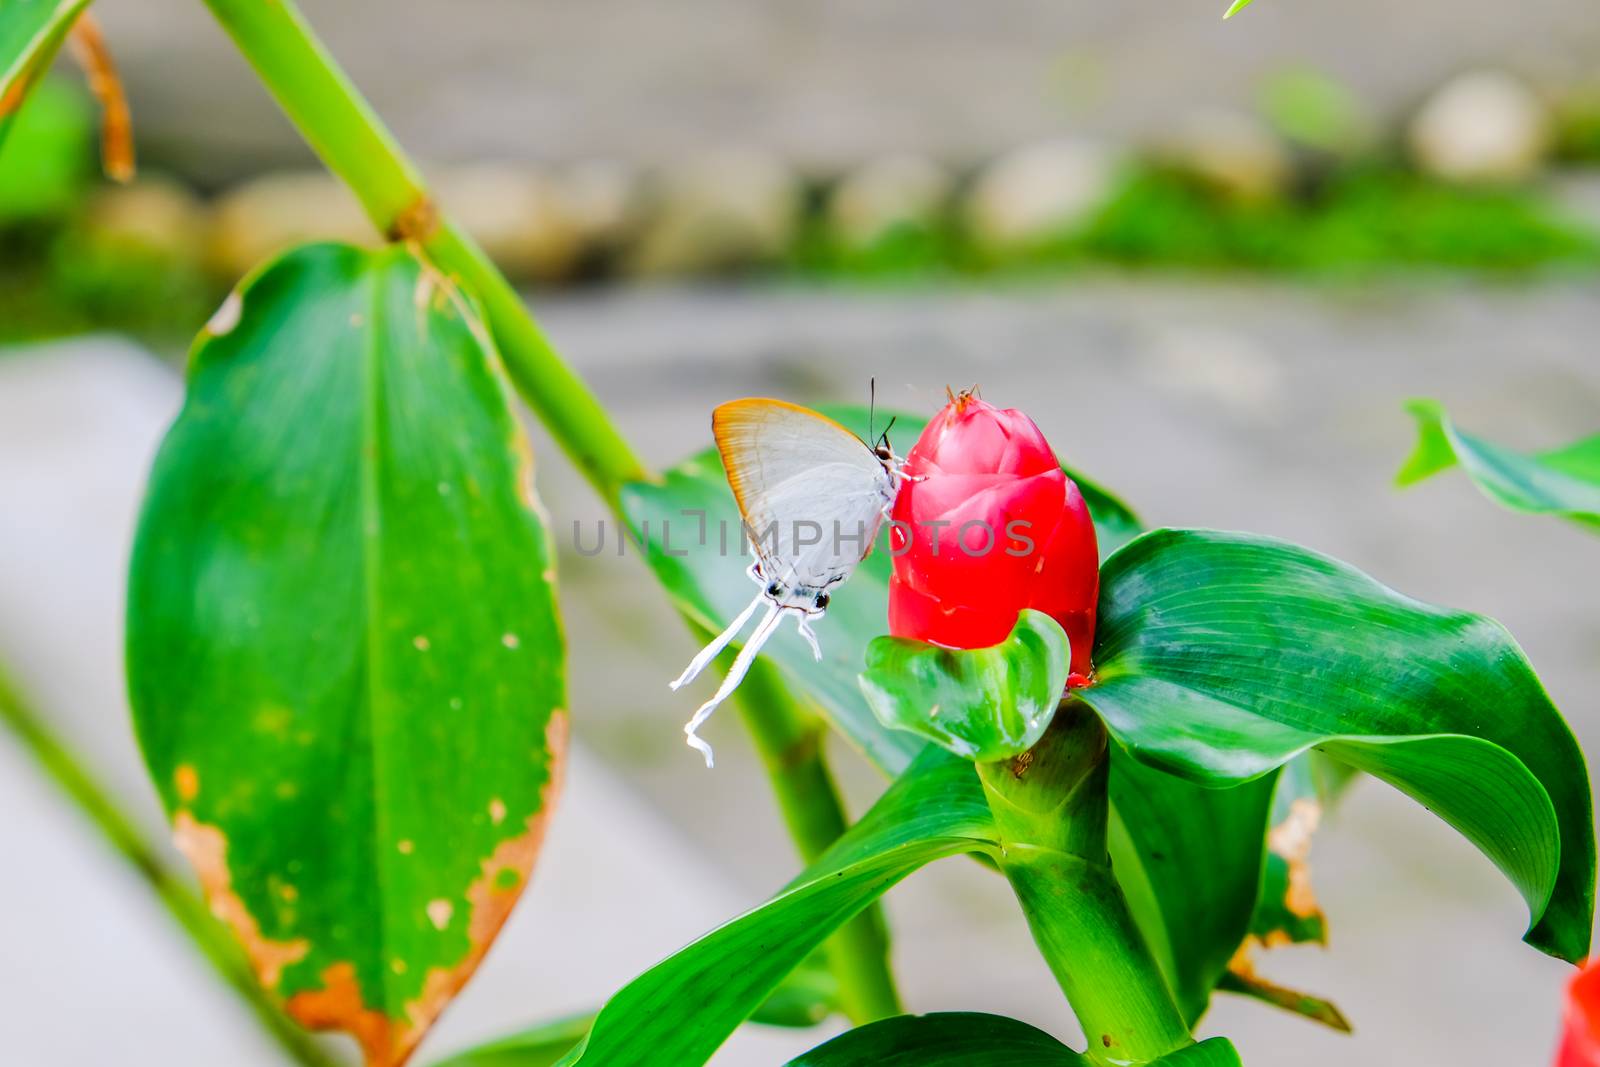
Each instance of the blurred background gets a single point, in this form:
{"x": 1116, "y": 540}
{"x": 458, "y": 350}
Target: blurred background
{"x": 1211, "y": 260}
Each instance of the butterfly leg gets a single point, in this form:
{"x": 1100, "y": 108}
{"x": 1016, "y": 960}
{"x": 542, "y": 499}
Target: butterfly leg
{"x": 804, "y": 626}
{"x": 714, "y": 649}
{"x": 741, "y": 667}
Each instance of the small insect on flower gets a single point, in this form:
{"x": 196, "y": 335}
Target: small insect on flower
{"x": 812, "y": 496}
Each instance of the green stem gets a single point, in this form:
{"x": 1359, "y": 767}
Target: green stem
{"x": 344, "y": 130}
{"x": 182, "y": 903}
{"x": 789, "y": 739}
{"x": 1051, "y": 808}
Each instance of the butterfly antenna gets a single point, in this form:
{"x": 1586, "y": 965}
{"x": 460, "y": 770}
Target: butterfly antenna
{"x": 714, "y": 649}
{"x": 872, "y": 405}
{"x": 741, "y": 667}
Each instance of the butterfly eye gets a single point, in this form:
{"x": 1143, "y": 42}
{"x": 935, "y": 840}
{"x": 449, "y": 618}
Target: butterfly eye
{"x": 774, "y": 590}
{"x": 822, "y": 601}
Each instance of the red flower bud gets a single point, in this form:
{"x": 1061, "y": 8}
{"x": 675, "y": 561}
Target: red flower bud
{"x": 1580, "y": 1043}
{"x": 989, "y": 525}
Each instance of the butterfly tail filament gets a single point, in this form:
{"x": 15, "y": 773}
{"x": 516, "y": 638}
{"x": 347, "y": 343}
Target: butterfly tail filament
{"x": 741, "y": 667}
{"x": 714, "y": 649}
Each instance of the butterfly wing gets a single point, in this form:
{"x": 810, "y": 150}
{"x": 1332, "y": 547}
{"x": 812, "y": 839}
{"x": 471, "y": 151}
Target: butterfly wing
{"x": 810, "y": 491}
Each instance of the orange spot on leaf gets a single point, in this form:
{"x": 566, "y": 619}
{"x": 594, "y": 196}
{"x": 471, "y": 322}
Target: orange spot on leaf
{"x": 206, "y": 847}
{"x": 1291, "y": 840}
{"x": 187, "y": 781}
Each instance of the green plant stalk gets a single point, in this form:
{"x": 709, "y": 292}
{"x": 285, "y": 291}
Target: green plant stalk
{"x": 185, "y": 905}
{"x": 350, "y": 138}
{"x": 347, "y": 134}
{"x": 789, "y": 739}
{"x": 1051, "y": 808}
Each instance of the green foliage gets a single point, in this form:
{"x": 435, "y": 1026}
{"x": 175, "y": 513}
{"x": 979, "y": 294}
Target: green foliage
{"x": 971, "y": 1039}
{"x": 1577, "y": 126}
{"x": 1360, "y": 220}
{"x": 1564, "y": 481}
{"x": 684, "y": 1008}
{"x": 905, "y": 252}
{"x": 47, "y": 158}
{"x": 946, "y": 1039}
{"x": 538, "y": 1046}
{"x": 804, "y": 998}
{"x": 1222, "y": 656}
{"x": 981, "y": 703}
{"x": 343, "y": 652}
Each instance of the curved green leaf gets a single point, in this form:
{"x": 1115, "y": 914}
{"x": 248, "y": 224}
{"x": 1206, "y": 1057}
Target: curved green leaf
{"x": 343, "y": 651}
{"x": 537, "y": 1046}
{"x": 980, "y": 703}
{"x": 684, "y": 1008}
{"x": 1243, "y": 980}
{"x": 805, "y": 997}
{"x": 1217, "y": 1052}
{"x": 1222, "y": 656}
{"x": 974, "y": 1039}
{"x": 943, "y": 1039}
{"x": 31, "y": 33}
{"x": 1564, "y": 482}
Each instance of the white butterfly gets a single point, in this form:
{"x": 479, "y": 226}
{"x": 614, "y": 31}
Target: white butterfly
{"x": 813, "y": 496}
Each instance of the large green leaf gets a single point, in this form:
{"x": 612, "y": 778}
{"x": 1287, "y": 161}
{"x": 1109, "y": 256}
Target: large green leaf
{"x": 1222, "y": 656}
{"x": 980, "y": 703}
{"x": 343, "y": 650}
{"x": 680, "y": 1011}
{"x": 1563, "y": 482}
{"x": 972, "y": 1039}
{"x": 31, "y": 33}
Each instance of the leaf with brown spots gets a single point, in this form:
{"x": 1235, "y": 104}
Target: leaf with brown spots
{"x": 1287, "y": 912}
{"x": 1243, "y": 979}
{"x": 343, "y": 648}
